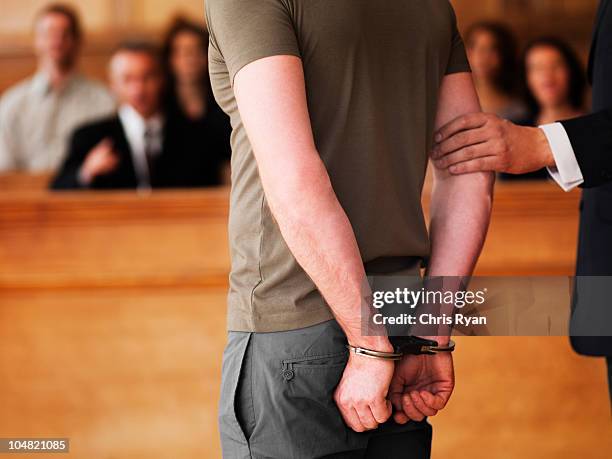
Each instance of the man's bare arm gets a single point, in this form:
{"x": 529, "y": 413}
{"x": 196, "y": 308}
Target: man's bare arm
{"x": 460, "y": 210}
{"x": 271, "y": 98}
{"x": 272, "y": 102}
{"x": 460, "y": 205}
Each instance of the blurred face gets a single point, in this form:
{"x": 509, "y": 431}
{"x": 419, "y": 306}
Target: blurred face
{"x": 188, "y": 58}
{"x": 54, "y": 39}
{"x": 547, "y": 76}
{"x": 483, "y": 55}
{"x": 136, "y": 79}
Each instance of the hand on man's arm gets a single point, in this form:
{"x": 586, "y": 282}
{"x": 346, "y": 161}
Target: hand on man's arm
{"x": 577, "y": 152}
{"x": 460, "y": 210}
{"x": 484, "y": 142}
{"x": 271, "y": 98}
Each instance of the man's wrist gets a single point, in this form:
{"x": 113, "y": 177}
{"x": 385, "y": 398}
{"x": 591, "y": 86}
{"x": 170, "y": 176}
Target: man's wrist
{"x": 374, "y": 343}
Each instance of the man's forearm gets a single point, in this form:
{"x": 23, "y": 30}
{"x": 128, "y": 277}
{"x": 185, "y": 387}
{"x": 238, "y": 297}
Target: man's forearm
{"x": 319, "y": 234}
{"x": 460, "y": 211}
{"x": 460, "y": 205}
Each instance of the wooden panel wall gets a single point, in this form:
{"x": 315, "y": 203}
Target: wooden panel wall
{"x": 178, "y": 238}
{"x": 108, "y": 21}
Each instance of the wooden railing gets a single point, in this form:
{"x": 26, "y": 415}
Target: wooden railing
{"x": 179, "y": 238}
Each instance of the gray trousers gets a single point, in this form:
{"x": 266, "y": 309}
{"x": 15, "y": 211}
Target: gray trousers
{"x": 277, "y": 401}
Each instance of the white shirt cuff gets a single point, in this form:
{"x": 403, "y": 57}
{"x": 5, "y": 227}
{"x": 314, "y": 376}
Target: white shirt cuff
{"x": 567, "y": 171}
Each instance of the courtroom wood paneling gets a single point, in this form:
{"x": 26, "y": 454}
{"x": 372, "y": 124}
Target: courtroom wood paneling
{"x": 18, "y": 16}
{"x": 109, "y": 21}
{"x": 572, "y": 20}
{"x": 523, "y": 398}
{"x": 135, "y": 373}
{"x": 112, "y": 239}
{"x": 179, "y": 238}
{"x": 99, "y": 15}
{"x": 130, "y": 374}
{"x": 534, "y": 231}
{"x": 155, "y": 13}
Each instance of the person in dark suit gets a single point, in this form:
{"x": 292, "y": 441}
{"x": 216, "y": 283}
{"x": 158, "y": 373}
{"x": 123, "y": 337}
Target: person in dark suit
{"x": 577, "y": 152}
{"x": 140, "y": 147}
{"x": 189, "y": 100}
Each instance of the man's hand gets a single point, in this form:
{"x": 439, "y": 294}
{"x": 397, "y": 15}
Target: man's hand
{"x": 100, "y": 160}
{"x": 421, "y": 386}
{"x": 362, "y": 392}
{"x": 481, "y": 142}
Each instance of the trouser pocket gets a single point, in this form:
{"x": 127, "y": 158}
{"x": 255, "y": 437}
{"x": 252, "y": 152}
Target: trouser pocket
{"x": 314, "y": 363}
{"x": 309, "y": 386}
{"x": 294, "y": 376}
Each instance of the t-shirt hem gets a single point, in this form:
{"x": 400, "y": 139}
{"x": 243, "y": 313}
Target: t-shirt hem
{"x": 282, "y": 322}
{"x": 458, "y": 70}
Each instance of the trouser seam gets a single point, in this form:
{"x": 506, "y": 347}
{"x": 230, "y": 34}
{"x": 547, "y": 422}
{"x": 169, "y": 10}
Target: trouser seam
{"x": 241, "y": 428}
{"x": 254, "y": 422}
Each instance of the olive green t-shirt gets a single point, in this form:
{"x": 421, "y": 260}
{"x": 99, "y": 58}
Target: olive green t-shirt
{"x": 372, "y": 70}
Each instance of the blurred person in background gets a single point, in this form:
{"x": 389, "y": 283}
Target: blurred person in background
{"x": 38, "y": 115}
{"x": 492, "y": 53}
{"x": 139, "y": 147}
{"x": 190, "y": 100}
{"x": 555, "y": 85}
{"x": 555, "y": 81}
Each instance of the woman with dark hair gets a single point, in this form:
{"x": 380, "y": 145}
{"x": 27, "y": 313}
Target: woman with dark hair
{"x": 554, "y": 80}
{"x": 492, "y": 52}
{"x": 190, "y": 103}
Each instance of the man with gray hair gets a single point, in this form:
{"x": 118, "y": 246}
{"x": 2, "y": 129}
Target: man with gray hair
{"x": 139, "y": 147}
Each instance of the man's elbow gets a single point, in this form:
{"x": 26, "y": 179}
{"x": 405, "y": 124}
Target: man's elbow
{"x": 474, "y": 183}
{"x": 298, "y": 193}
{"x": 469, "y": 194}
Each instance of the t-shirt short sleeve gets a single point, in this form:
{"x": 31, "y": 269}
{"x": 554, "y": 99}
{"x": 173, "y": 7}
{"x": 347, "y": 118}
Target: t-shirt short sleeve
{"x": 243, "y": 31}
{"x": 457, "y": 60}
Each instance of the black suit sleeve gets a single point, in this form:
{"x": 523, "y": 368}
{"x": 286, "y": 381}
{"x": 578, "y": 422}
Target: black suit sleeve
{"x": 591, "y": 138}
{"x": 67, "y": 178}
